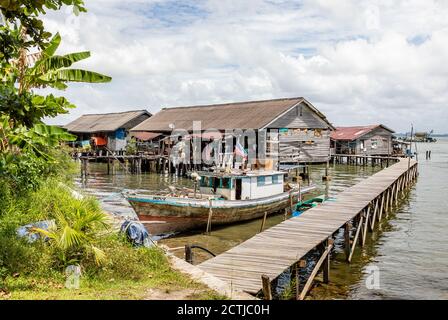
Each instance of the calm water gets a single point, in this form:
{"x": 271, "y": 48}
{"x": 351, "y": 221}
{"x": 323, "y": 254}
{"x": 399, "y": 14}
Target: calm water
{"x": 410, "y": 249}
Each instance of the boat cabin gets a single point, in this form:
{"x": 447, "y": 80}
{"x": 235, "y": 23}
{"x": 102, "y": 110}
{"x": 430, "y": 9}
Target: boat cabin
{"x": 242, "y": 186}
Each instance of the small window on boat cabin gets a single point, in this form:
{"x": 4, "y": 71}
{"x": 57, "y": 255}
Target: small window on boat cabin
{"x": 267, "y": 180}
{"x": 226, "y": 183}
{"x": 276, "y": 179}
{"x": 261, "y": 181}
{"x": 206, "y": 182}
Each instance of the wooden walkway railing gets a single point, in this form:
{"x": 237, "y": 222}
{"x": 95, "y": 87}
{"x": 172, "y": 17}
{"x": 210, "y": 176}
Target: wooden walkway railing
{"x": 251, "y": 265}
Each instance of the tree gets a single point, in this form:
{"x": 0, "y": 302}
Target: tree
{"x": 25, "y": 13}
{"x": 24, "y": 138}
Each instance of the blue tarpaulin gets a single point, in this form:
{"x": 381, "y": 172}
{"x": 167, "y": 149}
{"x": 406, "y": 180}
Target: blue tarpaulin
{"x": 120, "y": 134}
{"x": 27, "y": 232}
{"x": 136, "y": 233}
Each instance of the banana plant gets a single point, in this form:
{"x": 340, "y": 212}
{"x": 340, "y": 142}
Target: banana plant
{"x": 37, "y": 140}
{"x": 51, "y": 70}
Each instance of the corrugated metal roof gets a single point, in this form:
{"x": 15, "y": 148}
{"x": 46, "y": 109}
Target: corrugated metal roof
{"x": 146, "y": 136}
{"x": 105, "y": 122}
{"x": 241, "y": 115}
{"x": 353, "y": 133}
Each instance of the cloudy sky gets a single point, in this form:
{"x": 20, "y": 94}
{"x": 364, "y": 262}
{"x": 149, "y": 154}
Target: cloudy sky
{"x": 359, "y": 62}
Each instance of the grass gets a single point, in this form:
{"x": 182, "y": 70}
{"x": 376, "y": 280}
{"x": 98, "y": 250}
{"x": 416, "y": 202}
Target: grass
{"x": 167, "y": 284}
{"x": 36, "y": 270}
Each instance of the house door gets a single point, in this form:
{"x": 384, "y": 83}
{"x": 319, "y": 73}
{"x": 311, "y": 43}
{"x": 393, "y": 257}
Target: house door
{"x": 238, "y": 188}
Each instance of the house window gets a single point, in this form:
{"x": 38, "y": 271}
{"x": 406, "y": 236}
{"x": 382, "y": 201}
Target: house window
{"x": 374, "y": 143}
{"x": 261, "y": 181}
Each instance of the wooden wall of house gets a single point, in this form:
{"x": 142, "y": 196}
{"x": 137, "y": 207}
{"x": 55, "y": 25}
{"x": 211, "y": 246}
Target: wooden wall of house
{"x": 300, "y": 117}
{"x": 304, "y": 145}
{"x": 307, "y": 138}
{"x": 381, "y": 136}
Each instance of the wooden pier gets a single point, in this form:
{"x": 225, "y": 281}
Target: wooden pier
{"x": 252, "y": 265}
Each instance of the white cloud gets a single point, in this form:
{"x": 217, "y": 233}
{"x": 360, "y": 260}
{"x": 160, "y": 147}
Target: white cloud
{"x": 360, "y": 62}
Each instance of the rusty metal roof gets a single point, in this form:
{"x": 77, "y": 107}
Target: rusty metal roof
{"x": 353, "y": 133}
{"x": 241, "y": 115}
{"x": 146, "y": 136}
{"x": 105, "y": 122}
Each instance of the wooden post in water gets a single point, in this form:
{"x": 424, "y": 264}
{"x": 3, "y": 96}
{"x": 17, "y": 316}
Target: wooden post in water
{"x": 291, "y": 201}
{"x": 327, "y": 175}
{"x": 347, "y": 228}
{"x": 210, "y": 213}
{"x": 298, "y": 266}
{"x": 264, "y": 221}
{"x": 188, "y": 254}
{"x": 267, "y": 292}
{"x": 326, "y": 264}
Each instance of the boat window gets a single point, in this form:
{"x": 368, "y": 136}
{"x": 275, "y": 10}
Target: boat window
{"x": 260, "y": 181}
{"x": 268, "y": 180}
{"x": 226, "y": 183}
{"x": 206, "y": 182}
{"x": 276, "y": 179}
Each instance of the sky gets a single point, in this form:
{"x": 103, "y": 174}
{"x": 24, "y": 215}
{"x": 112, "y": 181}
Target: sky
{"x": 359, "y": 62}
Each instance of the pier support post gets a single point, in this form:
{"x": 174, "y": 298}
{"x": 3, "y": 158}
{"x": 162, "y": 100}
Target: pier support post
{"x": 347, "y": 228}
{"x": 209, "y": 221}
{"x": 301, "y": 264}
{"x": 355, "y": 239}
{"x": 267, "y": 292}
{"x": 314, "y": 272}
{"x": 188, "y": 254}
{"x": 326, "y": 264}
{"x": 264, "y": 221}
{"x": 380, "y": 212}
{"x": 327, "y": 176}
{"x": 366, "y": 224}
{"x": 375, "y": 210}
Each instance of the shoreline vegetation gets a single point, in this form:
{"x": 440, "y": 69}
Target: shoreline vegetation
{"x": 35, "y": 171}
{"x": 37, "y": 270}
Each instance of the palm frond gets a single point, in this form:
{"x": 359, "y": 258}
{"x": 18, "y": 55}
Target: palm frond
{"x": 100, "y": 256}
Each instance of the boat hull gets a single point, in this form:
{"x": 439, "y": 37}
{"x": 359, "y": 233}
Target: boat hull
{"x": 165, "y": 214}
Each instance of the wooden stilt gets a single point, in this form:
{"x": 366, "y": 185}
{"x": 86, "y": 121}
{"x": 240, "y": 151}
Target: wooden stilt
{"x": 264, "y": 221}
{"x": 326, "y": 263}
{"x": 347, "y": 228}
{"x": 372, "y": 220}
{"x": 314, "y": 272}
{"x": 210, "y": 214}
{"x": 380, "y": 213}
{"x": 366, "y": 223}
{"x": 355, "y": 239}
{"x": 267, "y": 292}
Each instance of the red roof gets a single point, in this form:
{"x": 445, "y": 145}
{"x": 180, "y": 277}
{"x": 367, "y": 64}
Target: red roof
{"x": 353, "y": 133}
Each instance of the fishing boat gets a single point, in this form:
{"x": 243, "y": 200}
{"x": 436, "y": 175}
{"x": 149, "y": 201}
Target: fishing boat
{"x": 222, "y": 198}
